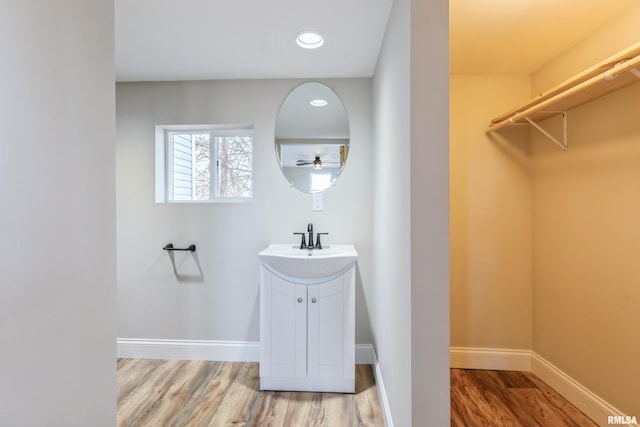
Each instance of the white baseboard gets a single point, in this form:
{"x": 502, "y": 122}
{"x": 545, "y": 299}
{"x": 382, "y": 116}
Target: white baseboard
{"x": 382, "y": 393}
{"x": 582, "y": 398}
{"x": 364, "y": 354}
{"x": 490, "y": 358}
{"x": 223, "y": 351}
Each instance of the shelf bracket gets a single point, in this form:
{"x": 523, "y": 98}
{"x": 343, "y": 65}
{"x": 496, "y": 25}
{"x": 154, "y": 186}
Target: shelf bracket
{"x": 564, "y": 144}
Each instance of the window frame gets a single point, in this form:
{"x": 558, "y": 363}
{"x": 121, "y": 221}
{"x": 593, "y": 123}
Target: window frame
{"x": 164, "y": 164}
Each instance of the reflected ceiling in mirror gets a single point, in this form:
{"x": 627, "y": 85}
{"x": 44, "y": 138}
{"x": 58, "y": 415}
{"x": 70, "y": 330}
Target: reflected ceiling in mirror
{"x": 312, "y": 137}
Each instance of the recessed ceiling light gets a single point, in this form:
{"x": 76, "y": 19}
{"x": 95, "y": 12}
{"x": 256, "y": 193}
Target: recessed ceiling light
{"x": 318, "y": 103}
{"x": 310, "y": 40}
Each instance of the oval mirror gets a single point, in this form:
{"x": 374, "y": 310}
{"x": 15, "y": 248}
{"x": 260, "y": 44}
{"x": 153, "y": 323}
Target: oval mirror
{"x": 312, "y": 137}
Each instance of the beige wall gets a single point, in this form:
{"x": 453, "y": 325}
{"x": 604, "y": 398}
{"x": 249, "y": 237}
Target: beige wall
{"x": 586, "y": 233}
{"x": 490, "y": 218}
{"x": 608, "y": 40}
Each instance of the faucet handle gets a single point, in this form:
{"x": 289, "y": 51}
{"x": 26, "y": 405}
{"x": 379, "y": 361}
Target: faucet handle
{"x": 318, "y": 244}
{"x": 303, "y": 243}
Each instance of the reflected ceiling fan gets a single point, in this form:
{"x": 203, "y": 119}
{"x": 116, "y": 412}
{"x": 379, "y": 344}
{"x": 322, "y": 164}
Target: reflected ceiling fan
{"x": 317, "y": 163}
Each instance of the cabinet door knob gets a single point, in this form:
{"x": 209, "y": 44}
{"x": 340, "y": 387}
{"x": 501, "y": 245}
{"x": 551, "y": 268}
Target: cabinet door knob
{"x": 313, "y": 300}
{"x": 300, "y": 299}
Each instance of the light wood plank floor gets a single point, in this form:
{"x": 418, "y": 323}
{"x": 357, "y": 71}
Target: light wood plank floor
{"x": 162, "y": 393}
{"x": 509, "y": 398}
{"x": 176, "y": 393}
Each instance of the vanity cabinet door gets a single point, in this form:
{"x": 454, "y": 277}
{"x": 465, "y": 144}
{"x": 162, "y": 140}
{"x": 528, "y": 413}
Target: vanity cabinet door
{"x": 283, "y": 328}
{"x": 331, "y": 329}
{"x": 307, "y": 334}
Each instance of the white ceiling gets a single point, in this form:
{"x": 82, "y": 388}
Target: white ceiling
{"x": 246, "y": 39}
{"x": 240, "y": 39}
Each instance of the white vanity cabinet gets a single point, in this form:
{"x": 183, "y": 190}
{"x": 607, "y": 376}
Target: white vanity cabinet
{"x": 307, "y": 331}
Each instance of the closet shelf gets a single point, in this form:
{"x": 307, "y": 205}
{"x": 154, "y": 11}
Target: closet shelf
{"x": 615, "y": 72}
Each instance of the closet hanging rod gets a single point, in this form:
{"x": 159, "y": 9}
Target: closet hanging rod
{"x": 169, "y": 247}
{"x": 611, "y": 74}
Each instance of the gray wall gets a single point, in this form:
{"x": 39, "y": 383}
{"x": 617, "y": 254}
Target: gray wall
{"x": 57, "y": 220}
{"x": 218, "y": 299}
{"x": 430, "y": 212}
{"x": 410, "y": 309}
{"x": 391, "y": 319}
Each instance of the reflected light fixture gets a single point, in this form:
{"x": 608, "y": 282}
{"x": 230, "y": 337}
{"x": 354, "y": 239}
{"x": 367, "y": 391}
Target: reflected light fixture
{"x": 310, "y": 40}
{"x": 317, "y": 163}
{"x": 318, "y": 103}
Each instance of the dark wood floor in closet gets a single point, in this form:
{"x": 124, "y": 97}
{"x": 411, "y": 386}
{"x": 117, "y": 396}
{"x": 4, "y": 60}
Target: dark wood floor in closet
{"x": 509, "y": 398}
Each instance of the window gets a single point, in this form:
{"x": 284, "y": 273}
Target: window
{"x": 203, "y": 163}
{"x": 320, "y": 181}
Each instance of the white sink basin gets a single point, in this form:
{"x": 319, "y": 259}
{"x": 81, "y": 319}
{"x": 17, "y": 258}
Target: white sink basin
{"x": 292, "y": 262}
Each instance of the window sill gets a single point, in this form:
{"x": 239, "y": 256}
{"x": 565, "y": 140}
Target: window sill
{"x": 223, "y": 200}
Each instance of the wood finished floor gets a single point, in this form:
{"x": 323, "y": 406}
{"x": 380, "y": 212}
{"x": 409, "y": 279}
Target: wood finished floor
{"x": 509, "y": 398}
{"x": 177, "y": 393}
